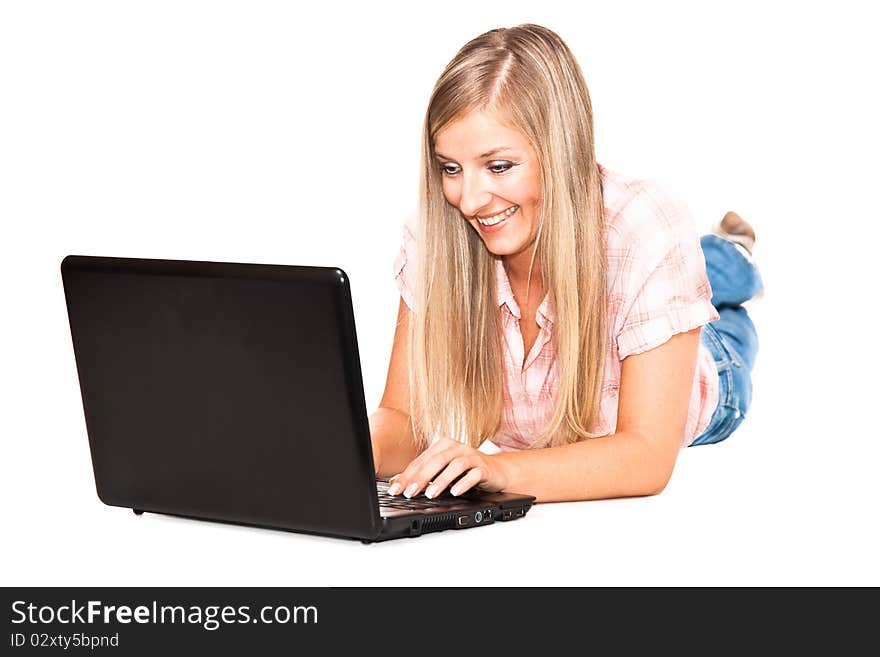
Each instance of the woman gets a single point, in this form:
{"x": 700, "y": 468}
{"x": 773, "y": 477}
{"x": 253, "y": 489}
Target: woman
{"x": 551, "y": 308}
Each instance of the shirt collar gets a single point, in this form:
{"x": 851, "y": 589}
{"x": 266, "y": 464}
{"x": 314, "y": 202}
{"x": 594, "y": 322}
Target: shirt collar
{"x": 505, "y": 297}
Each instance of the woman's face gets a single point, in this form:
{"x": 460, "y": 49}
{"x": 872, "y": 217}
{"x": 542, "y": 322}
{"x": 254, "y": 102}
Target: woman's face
{"x": 492, "y": 175}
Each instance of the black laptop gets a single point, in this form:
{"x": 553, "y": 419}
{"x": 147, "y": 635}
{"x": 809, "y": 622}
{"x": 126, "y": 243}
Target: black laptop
{"x": 233, "y": 392}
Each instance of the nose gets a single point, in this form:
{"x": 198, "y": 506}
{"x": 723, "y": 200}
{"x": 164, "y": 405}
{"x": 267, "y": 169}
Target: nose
{"x": 475, "y": 194}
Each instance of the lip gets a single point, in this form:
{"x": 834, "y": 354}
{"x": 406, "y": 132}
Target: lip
{"x": 494, "y": 214}
{"x": 498, "y": 226}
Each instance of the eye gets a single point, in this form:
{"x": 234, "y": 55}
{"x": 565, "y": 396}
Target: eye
{"x": 501, "y": 166}
{"x": 449, "y": 169}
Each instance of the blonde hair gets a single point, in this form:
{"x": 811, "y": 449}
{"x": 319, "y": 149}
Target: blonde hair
{"x": 529, "y": 76}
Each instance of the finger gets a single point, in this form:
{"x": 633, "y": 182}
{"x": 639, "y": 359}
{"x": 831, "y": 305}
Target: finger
{"x": 400, "y": 482}
{"x": 394, "y": 486}
{"x": 425, "y": 468}
{"x": 471, "y": 479}
{"x": 450, "y": 473}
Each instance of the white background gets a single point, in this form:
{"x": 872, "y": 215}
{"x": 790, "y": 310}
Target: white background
{"x": 268, "y": 132}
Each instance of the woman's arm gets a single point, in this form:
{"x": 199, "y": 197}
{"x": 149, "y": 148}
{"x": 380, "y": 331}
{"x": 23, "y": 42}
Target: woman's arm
{"x": 638, "y": 459}
{"x": 393, "y": 444}
{"x": 390, "y": 427}
{"x": 653, "y": 403}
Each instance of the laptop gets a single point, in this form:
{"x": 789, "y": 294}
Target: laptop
{"x": 233, "y": 393}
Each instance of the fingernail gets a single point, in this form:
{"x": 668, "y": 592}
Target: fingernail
{"x": 455, "y": 490}
{"x": 411, "y": 489}
{"x": 394, "y": 489}
{"x": 432, "y": 490}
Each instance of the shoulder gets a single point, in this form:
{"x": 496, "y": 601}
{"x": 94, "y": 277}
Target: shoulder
{"x": 408, "y": 235}
{"x": 641, "y": 211}
{"x": 406, "y": 263}
{"x": 409, "y": 228}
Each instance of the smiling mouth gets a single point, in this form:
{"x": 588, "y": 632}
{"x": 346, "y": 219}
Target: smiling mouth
{"x": 497, "y": 218}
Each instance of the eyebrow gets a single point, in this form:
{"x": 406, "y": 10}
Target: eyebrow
{"x": 494, "y": 151}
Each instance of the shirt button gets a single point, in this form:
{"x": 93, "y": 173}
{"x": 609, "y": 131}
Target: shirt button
{"x": 523, "y": 398}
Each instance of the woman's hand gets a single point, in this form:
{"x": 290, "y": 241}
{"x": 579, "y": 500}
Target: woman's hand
{"x": 449, "y": 462}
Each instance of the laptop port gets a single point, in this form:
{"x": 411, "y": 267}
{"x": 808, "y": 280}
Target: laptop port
{"x": 464, "y": 521}
{"x": 478, "y": 517}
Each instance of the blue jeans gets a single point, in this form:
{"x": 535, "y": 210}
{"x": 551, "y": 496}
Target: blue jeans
{"x": 732, "y": 339}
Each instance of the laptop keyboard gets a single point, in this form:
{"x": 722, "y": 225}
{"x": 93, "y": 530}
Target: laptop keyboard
{"x": 417, "y": 502}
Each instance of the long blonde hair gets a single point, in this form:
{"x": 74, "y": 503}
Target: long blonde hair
{"x": 529, "y": 75}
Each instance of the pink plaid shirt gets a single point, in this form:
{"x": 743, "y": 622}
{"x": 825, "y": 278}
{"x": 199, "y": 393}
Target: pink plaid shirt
{"x": 657, "y": 287}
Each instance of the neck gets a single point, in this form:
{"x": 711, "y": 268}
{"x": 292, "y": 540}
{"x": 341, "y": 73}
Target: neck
{"x": 517, "y": 268}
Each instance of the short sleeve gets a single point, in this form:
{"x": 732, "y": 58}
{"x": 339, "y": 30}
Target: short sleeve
{"x": 406, "y": 262}
{"x": 664, "y": 288}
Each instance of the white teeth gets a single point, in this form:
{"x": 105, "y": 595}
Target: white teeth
{"x": 498, "y": 218}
